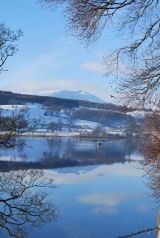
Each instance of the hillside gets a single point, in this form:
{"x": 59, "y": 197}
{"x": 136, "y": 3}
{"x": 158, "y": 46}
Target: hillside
{"x": 9, "y": 98}
{"x": 67, "y": 116}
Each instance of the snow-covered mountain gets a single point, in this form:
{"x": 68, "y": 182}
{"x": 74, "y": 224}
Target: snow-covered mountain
{"x": 78, "y": 95}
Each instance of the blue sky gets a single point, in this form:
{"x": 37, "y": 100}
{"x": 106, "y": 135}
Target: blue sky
{"x": 49, "y": 59}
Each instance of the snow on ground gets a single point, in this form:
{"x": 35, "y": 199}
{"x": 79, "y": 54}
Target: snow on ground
{"x": 136, "y": 157}
{"x": 11, "y": 107}
{"x": 43, "y": 132}
{"x": 35, "y": 111}
{"x": 84, "y": 124}
{"x": 97, "y": 109}
{"x": 66, "y": 134}
{"x": 114, "y": 131}
{"x": 46, "y": 116}
{"x": 137, "y": 114}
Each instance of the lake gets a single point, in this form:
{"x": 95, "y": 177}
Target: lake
{"x": 100, "y": 189}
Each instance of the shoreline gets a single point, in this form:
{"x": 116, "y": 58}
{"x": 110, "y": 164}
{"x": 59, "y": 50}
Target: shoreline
{"x": 72, "y": 135}
{"x": 76, "y": 136}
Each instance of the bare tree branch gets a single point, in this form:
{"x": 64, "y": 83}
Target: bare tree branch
{"x": 18, "y": 123}
{"x": 24, "y": 202}
{"x": 139, "y": 21}
{"x": 8, "y": 47}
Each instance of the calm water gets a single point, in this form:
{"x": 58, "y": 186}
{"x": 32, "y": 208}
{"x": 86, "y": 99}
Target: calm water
{"x": 100, "y": 190}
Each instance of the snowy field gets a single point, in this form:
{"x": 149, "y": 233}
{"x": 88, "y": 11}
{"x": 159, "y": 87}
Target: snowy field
{"x": 49, "y": 119}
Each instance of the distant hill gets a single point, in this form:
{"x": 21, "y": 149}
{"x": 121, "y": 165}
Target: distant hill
{"x": 9, "y": 98}
{"x": 78, "y": 95}
{"x": 61, "y": 114}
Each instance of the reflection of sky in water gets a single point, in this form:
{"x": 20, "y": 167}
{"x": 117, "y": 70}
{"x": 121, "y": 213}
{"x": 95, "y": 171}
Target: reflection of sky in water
{"x": 106, "y": 198}
{"x": 91, "y": 173}
{"x": 100, "y": 201}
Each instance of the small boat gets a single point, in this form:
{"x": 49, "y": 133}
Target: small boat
{"x": 99, "y": 143}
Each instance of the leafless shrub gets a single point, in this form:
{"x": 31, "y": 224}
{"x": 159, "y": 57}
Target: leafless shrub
{"x": 18, "y": 123}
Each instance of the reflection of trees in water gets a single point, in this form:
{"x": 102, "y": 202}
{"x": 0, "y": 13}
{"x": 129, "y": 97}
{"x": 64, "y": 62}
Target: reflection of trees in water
{"x": 151, "y": 166}
{"x": 75, "y": 157}
{"x": 150, "y": 148}
{"x": 60, "y": 148}
{"x": 131, "y": 145}
{"x": 109, "y": 152}
{"x": 75, "y": 152}
{"x": 87, "y": 151}
{"x": 23, "y": 202}
{"x": 60, "y": 152}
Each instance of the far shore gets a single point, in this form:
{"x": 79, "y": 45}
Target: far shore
{"x": 84, "y": 136}
{"x": 75, "y": 135}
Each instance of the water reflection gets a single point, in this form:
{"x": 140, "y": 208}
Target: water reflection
{"x": 43, "y": 153}
{"x": 106, "y": 196}
{"x": 24, "y": 202}
{"x": 151, "y": 165}
{"x": 150, "y": 149}
{"x": 108, "y": 202}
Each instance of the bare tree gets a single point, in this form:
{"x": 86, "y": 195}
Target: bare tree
{"x": 8, "y": 47}
{"x": 18, "y": 123}
{"x": 24, "y": 202}
{"x": 138, "y": 62}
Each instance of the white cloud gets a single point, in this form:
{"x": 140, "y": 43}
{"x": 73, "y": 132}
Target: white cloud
{"x": 84, "y": 175}
{"x": 47, "y": 87}
{"x": 102, "y": 202}
{"x": 106, "y": 67}
{"x": 45, "y": 74}
{"x": 110, "y": 199}
{"x": 107, "y": 202}
{"x": 93, "y": 67}
{"x": 52, "y": 72}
